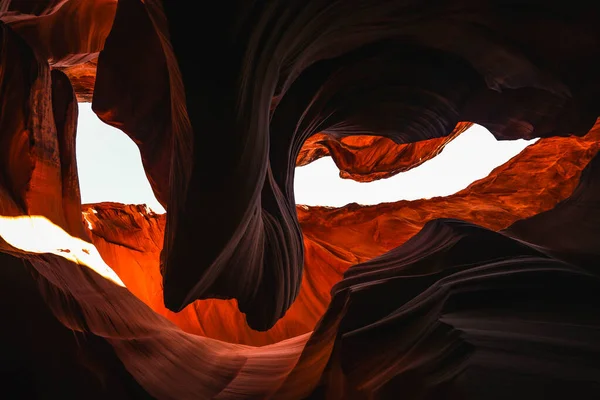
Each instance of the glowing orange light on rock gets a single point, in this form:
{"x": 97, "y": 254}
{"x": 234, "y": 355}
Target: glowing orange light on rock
{"x": 37, "y": 234}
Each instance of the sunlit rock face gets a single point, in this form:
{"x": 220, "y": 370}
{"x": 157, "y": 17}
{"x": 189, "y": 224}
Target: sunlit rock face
{"x": 325, "y": 82}
{"x": 129, "y": 237}
{"x": 368, "y": 158}
{"x": 69, "y": 34}
{"x": 237, "y": 292}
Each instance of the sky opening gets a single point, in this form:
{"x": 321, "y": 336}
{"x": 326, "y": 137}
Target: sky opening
{"x": 110, "y": 169}
{"x": 469, "y": 157}
{"x": 109, "y": 164}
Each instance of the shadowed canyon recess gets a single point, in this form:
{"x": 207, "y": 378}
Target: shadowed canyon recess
{"x": 487, "y": 289}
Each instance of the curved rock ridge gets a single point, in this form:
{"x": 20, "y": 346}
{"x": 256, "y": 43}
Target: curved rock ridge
{"x": 489, "y": 293}
{"x": 368, "y": 158}
{"x": 575, "y": 218}
{"x": 67, "y": 33}
{"x": 37, "y": 135}
{"x": 457, "y": 311}
{"x": 435, "y": 65}
{"x": 83, "y": 79}
{"x": 72, "y": 45}
{"x": 129, "y": 237}
{"x": 438, "y": 309}
{"x": 64, "y": 32}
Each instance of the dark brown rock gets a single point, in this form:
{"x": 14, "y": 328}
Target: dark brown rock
{"x": 489, "y": 293}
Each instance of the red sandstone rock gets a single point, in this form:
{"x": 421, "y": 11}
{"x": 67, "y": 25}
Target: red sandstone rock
{"x": 65, "y": 32}
{"x": 368, "y": 158}
{"x": 329, "y": 87}
{"x": 129, "y": 237}
{"x": 39, "y": 114}
{"x": 83, "y": 78}
{"x": 438, "y": 302}
{"x": 456, "y": 309}
{"x": 69, "y": 34}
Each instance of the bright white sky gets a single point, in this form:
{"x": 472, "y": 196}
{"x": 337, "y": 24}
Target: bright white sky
{"x": 109, "y": 164}
{"x": 469, "y": 157}
{"x": 110, "y": 169}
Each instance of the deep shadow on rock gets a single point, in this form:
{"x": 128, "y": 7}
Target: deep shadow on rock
{"x": 239, "y": 293}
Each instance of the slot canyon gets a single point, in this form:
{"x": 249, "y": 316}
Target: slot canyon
{"x": 237, "y": 290}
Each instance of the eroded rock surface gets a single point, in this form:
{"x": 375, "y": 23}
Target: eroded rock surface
{"x": 442, "y": 302}
{"x": 328, "y": 87}
{"x": 37, "y": 136}
{"x": 368, "y": 158}
{"x": 129, "y": 237}
{"x": 491, "y": 292}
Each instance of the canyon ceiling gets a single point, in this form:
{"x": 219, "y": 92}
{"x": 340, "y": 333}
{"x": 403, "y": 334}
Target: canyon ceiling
{"x": 237, "y": 292}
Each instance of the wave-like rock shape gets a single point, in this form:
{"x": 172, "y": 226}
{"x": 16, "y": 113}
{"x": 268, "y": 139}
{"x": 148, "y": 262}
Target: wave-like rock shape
{"x": 69, "y": 34}
{"x": 568, "y": 231}
{"x": 319, "y": 59}
{"x": 457, "y": 310}
{"x": 368, "y": 158}
{"x": 42, "y": 358}
{"x": 37, "y": 132}
{"x": 130, "y": 237}
{"x": 83, "y": 79}
{"x": 65, "y": 32}
{"x": 72, "y": 45}
{"x": 462, "y": 312}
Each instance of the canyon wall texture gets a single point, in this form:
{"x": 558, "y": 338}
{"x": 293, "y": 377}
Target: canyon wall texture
{"x": 237, "y": 292}
{"x": 130, "y": 237}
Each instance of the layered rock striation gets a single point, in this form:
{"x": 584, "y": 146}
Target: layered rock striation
{"x": 237, "y": 292}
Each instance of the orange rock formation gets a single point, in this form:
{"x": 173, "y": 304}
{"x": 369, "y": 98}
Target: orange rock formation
{"x": 129, "y": 237}
{"x": 237, "y": 292}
